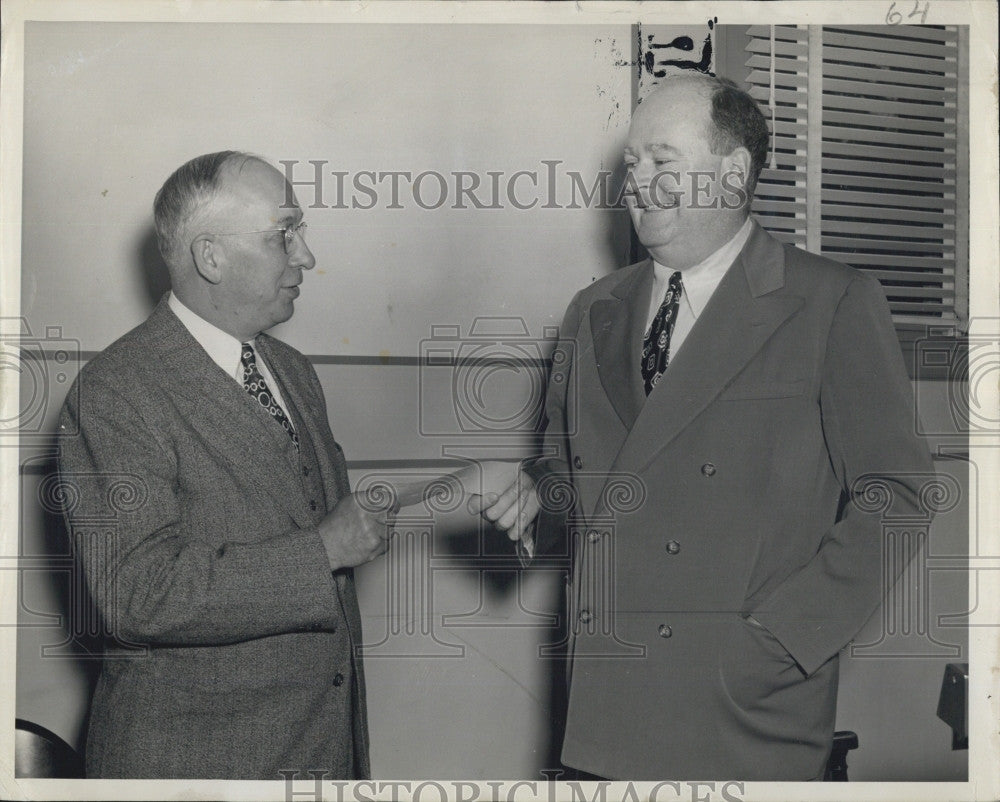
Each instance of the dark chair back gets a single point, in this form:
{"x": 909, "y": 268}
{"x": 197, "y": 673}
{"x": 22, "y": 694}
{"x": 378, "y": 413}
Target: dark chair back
{"x": 836, "y": 768}
{"x": 39, "y": 752}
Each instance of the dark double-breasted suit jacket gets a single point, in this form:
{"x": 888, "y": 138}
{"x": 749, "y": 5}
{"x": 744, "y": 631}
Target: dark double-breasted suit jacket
{"x": 230, "y": 649}
{"x": 730, "y": 491}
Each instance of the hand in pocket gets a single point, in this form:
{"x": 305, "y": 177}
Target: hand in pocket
{"x": 756, "y": 665}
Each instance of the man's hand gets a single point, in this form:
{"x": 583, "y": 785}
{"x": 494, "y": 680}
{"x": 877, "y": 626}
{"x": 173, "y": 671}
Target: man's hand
{"x": 354, "y": 533}
{"x": 513, "y": 510}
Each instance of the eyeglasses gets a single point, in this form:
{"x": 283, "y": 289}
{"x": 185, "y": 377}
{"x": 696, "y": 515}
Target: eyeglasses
{"x": 287, "y": 234}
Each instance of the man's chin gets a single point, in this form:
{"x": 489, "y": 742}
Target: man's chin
{"x": 283, "y": 312}
{"x": 653, "y": 238}
{"x": 653, "y": 226}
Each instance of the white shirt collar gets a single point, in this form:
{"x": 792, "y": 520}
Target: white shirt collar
{"x": 223, "y": 348}
{"x": 700, "y": 280}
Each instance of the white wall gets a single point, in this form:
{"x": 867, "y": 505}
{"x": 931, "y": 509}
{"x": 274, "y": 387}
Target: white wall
{"x": 111, "y": 110}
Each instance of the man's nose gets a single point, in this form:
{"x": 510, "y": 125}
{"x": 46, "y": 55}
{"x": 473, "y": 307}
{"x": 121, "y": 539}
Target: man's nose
{"x": 642, "y": 173}
{"x": 301, "y": 256}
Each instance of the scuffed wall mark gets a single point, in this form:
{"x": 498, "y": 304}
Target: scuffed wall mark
{"x": 652, "y": 47}
{"x": 680, "y": 43}
{"x": 639, "y": 62}
{"x": 613, "y": 48}
{"x": 609, "y": 51}
{"x": 704, "y": 64}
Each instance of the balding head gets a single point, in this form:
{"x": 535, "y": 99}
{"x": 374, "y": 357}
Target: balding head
{"x": 232, "y": 234}
{"x": 184, "y": 202}
{"x": 730, "y": 116}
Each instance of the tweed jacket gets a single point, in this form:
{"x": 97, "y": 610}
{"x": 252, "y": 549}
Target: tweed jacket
{"x": 229, "y": 642}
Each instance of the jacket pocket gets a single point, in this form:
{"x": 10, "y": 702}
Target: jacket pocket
{"x": 754, "y": 665}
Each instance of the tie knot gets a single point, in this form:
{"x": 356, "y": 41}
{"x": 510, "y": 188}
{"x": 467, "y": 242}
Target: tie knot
{"x": 673, "y": 293}
{"x": 247, "y": 356}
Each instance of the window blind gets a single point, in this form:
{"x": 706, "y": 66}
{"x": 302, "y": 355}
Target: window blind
{"x": 866, "y": 155}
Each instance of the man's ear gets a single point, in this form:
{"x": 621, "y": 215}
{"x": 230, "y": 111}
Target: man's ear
{"x": 741, "y": 163}
{"x": 205, "y": 254}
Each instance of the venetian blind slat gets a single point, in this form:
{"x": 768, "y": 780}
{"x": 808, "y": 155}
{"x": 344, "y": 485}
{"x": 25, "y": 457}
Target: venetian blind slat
{"x": 887, "y": 140}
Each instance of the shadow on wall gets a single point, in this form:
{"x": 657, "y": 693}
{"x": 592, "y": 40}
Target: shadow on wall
{"x": 625, "y": 249}
{"x": 489, "y": 560}
{"x": 152, "y": 269}
{"x": 66, "y": 596}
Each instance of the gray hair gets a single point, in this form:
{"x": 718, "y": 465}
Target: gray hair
{"x": 188, "y": 189}
{"x": 737, "y": 121}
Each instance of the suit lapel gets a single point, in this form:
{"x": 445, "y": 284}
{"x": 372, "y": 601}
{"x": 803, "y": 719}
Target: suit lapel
{"x": 742, "y": 314}
{"x": 309, "y": 424}
{"x": 616, "y": 326}
{"x": 288, "y": 386}
{"x": 229, "y": 420}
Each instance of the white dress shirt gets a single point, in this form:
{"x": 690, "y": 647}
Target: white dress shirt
{"x": 223, "y": 348}
{"x": 699, "y": 282}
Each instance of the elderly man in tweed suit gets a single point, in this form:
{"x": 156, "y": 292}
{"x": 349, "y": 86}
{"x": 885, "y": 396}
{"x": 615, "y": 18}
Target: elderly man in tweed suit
{"x": 226, "y": 580}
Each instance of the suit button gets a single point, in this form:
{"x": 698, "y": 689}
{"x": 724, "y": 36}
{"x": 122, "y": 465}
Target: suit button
{"x": 665, "y": 631}
{"x": 708, "y": 469}
{"x": 593, "y": 535}
{"x": 305, "y": 470}
{"x": 313, "y": 505}
{"x": 338, "y": 680}
{"x": 577, "y": 463}
{"x": 586, "y": 617}
{"x": 673, "y": 547}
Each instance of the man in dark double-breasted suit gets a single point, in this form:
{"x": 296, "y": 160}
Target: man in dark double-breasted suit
{"x": 718, "y": 411}
{"x": 210, "y": 509}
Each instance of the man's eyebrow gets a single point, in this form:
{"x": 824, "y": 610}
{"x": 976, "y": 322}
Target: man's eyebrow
{"x": 291, "y": 217}
{"x": 658, "y": 147}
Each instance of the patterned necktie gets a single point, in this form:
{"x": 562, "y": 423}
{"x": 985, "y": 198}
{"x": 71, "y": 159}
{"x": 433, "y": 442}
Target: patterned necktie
{"x": 656, "y": 343}
{"x": 253, "y": 383}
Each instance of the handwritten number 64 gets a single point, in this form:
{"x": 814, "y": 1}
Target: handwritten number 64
{"x": 893, "y": 17}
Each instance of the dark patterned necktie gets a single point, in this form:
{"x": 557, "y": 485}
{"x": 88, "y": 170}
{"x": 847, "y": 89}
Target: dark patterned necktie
{"x": 656, "y": 343}
{"x": 253, "y": 383}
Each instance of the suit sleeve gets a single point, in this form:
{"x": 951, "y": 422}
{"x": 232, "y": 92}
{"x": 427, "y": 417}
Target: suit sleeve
{"x": 551, "y": 472}
{"x": 155, "y": 579}
{"x": 868, "y": 420}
